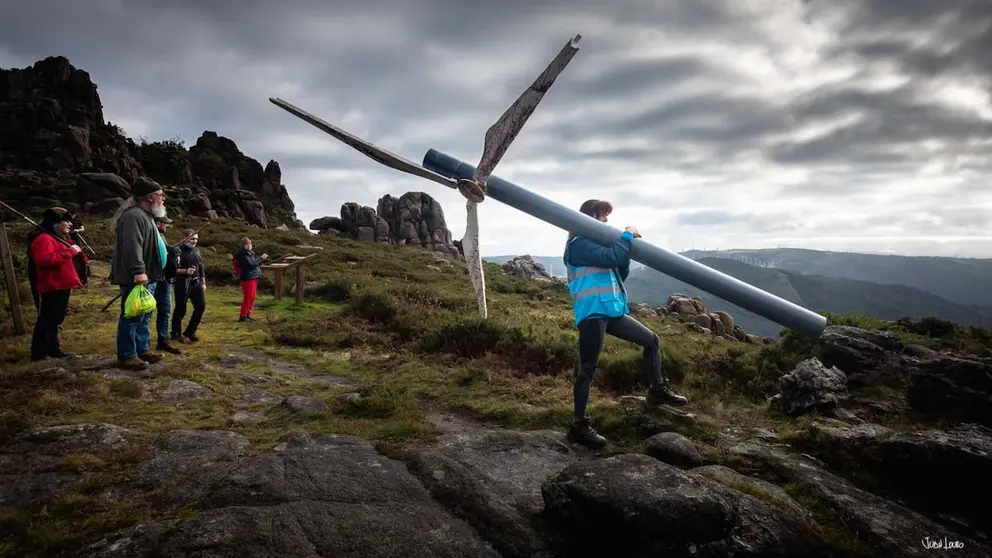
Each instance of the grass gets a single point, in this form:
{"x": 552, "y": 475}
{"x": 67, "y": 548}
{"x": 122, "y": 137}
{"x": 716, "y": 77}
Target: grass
{"x": 403, "y": 327}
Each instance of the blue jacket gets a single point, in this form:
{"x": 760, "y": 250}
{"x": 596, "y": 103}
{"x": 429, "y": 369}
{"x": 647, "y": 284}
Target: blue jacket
{"x": 250, "y": 264}
{"x": 595, "y": 277}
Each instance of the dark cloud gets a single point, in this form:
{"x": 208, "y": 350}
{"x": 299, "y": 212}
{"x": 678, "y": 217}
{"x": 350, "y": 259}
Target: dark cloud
{"x": 825, "y": 123}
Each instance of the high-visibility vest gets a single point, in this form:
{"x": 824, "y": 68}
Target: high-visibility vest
{"x": 596, "y": 291}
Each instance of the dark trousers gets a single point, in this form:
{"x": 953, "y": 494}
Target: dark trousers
{"x": 51, "y": 313}
{"x": 163, "y": 305}
{"x": 189, "y": 289}
{"x": 592, "y": 333}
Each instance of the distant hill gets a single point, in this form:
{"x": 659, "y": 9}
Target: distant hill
{"x": 816, "y": 292}
{"x": 961, "y": 280}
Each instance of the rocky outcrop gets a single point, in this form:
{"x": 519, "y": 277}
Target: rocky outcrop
{"x": 525, "y": 266}
{"x": 493, "y": 480}
{"x": 56, "y": 149}
{"x": 939, "y": 385}
{"x": 940, "y": 472}
{"x": 312, "y": 496}
{"x": 415, "y": 218}
{"x": 649, "y": 508}
{"x": 953, "y": 387}
{"x": 884, "y": 527}
{"x": 720, "y": 324}
{"x": 51, "y": 119}
{"x": 810, "y": 387}
{"x": 483, "y": 492}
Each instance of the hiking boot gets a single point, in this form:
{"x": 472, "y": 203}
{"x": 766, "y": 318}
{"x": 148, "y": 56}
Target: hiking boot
{"x": 581, "y": 432}
{"x": 167, "y": 347}
{"x": 131, "y": 363}
{"x": 191, "y": 337}
{"x": 177, "y": 338}
{"x": 664, "y": 395}
{"x": 60, "y": 354}
{"x": 150, "y": 357}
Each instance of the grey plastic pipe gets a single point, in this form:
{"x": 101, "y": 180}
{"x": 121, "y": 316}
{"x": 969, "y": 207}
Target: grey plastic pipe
{"x": 719, "y": 284}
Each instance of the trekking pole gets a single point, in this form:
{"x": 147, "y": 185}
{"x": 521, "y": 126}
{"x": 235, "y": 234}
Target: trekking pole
{"x": 196, "y": 232}
{"x": 118, "y": 295}
{"x": 83, "y": 240}
{"x": 29, "y": 220}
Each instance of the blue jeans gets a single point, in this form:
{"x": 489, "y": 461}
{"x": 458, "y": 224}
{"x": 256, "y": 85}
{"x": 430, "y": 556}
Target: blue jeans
{"x": 163, "y": 305}
{"x": 133, "y": 334}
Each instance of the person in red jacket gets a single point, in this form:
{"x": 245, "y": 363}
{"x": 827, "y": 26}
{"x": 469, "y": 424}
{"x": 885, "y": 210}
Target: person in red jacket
{"x": 56, "y": 276}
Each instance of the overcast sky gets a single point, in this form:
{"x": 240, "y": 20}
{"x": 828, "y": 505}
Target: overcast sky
{"x": 860, "y": 125}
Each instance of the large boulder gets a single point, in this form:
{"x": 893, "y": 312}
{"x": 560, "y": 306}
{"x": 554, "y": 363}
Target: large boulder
{"x": 811, "y": 386}
{"x": 635, "y": 505}
{"x": 887, "y": 528}
{"x": 313, "y": 496}
{"x": 493, "y": 479}
{"x": 953, "y": 387}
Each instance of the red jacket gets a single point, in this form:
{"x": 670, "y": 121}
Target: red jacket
{"x": 55, "y": 270}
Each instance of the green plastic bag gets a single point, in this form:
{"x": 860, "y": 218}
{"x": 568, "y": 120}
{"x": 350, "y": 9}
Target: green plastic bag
{"x": 139, "y": 302}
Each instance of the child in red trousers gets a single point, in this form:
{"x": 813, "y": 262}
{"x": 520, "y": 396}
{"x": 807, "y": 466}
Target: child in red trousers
{"x": 249, "y": 272}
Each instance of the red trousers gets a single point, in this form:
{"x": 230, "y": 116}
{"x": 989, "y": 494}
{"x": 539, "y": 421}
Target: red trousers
{"x": 248, "y": 290}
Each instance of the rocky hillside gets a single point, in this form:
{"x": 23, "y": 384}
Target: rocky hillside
{"x": 57, "y": 149}
{"x": 382, "y": 417}
{"x": 415, "y": 219}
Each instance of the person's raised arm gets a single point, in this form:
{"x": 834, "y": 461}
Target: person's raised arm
{"x": 585, "y": 252}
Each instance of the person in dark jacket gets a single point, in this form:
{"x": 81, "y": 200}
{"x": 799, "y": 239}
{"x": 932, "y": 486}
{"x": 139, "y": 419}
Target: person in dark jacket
{"x": 140, "y": 256}
{"x": 56, "y": 276}
{"x": 191, "y": 285}
{"x": 251, "y": 272}
{"x": 596, "y": 273}
{"x": 163, "y": 290}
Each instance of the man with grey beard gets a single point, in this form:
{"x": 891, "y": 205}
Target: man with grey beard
{"x": 139, "y": 259}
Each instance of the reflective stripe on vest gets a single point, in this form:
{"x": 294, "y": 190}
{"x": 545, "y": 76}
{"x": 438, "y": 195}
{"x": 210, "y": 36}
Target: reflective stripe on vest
{"x": 589, "y": 281}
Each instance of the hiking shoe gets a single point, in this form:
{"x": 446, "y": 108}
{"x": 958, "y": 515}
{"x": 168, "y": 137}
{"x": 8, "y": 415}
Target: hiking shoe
{"x": 191, "y": 337}
{"x": 581, "y": 432}
{"x": 665, "y": 395}
{"x": 150, "y": 357}
{"x": 132, "y": 363}
{"x": 167, "y": 347}
{"x": 177, "y": 338}
{"x": 60, "y": 354}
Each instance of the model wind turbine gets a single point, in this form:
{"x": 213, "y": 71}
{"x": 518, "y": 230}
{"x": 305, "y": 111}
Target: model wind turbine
{"x": 476, "y": 183}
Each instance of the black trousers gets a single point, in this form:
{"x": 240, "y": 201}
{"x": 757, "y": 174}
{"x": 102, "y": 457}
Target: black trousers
{"x": 592, "y": 333}
{"x": 52, "y": 307}
{"x": 188, "y": 289}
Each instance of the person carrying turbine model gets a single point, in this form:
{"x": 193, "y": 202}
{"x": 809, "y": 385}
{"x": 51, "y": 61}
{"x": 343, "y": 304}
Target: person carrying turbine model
{"x": 596, "y": 273}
